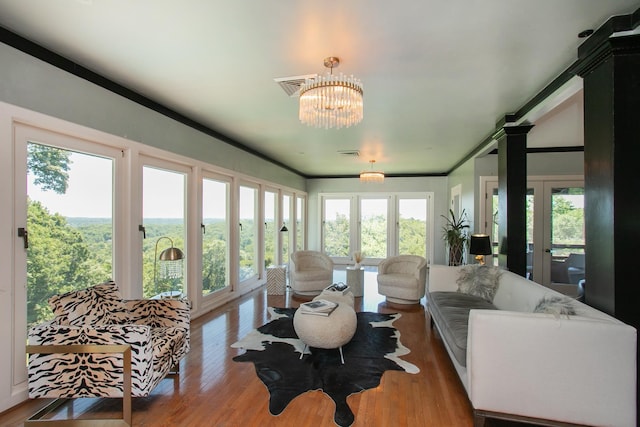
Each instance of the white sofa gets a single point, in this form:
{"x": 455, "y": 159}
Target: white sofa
{"x": 577, "y": 369}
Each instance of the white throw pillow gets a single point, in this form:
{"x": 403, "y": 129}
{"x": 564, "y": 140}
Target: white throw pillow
{"x": 479, "y": 280}
{"x": 558, "y": 306}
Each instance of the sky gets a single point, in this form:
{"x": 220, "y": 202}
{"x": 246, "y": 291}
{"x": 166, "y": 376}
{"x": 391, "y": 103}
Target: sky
{"x": 91, "y": 186}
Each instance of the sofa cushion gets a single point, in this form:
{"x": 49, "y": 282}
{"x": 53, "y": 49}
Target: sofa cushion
{"x": 98, "y": 305}
{"x": 479, "y": 280}
{"x": 450, "y": 311}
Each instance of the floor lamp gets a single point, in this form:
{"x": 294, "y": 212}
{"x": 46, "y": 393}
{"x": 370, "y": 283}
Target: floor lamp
{"x": 170, "y": 263}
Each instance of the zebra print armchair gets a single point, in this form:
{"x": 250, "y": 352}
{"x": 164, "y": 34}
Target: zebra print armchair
{"x": 99, "y": 345}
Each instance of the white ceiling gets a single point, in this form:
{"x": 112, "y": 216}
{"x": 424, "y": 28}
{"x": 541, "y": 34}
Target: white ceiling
{"x": 437, "y": 75}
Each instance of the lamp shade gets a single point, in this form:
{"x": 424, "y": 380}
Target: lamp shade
{"x": 480, "y": 244}
{"x": 171, "y": 254}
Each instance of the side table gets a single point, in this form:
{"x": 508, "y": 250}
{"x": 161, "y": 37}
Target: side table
{"x": 276, "y": 279}
{"x": 355, "y": 280}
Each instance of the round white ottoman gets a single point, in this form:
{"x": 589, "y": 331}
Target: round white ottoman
{"x": 332, "y": 331}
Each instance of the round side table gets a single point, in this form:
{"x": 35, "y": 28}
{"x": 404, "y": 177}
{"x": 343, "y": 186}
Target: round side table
{"x": 332, "y": 331}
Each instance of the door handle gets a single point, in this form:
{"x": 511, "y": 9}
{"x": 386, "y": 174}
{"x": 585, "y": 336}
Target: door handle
{"x": 548, "y": 251}
{"x": 22, "y": 232}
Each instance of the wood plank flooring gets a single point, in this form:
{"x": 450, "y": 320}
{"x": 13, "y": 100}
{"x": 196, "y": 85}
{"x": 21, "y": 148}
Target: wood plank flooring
{"x": 212, "y": 390}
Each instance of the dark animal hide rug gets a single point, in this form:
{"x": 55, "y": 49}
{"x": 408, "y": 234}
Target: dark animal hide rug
{"x": 275, "y": 350}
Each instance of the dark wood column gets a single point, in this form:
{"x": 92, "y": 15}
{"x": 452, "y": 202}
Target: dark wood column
{"x": 512, "y": 194}
{"x": 609, "y": 63}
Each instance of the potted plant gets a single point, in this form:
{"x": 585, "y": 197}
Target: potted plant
{"x": 455, "y": 234}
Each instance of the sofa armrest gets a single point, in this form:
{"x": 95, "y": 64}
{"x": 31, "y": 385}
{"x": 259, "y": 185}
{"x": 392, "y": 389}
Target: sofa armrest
{"x": 66, "y": 371}
{"x": 571, "y": 369}
{"x": 159, "y": 313}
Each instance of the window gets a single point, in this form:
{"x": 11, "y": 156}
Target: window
{"x": 69, "y": 223}
{"x": 300, "y": 222}
{"x": 336, "y": 227}
{"x": 374, "y": 227}
{"x": 215, "y": 235}
{"x": 271, "y": 228}
{"x": 392, "y": 224}
{"x": 64, "y": 213}
{"x": 164, "y": 225}
{"x": 285, "y": 236}
{"x": 248, "y": 247}
{"x": 412, "y": 226}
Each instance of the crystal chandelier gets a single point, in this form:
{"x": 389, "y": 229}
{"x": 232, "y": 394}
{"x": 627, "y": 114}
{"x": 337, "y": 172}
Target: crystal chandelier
{"x": 331, "y": 101}
{"x": 371, "y": 175}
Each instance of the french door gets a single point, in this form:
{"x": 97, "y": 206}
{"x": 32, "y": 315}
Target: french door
{"x": 555, "y": 227}
{"x": 64, "y": 223}
{"x": 377, "y": 225}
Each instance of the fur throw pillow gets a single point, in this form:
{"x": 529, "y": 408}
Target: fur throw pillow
{"x": 479, "y": 280}
{"x": 558, "y": 306}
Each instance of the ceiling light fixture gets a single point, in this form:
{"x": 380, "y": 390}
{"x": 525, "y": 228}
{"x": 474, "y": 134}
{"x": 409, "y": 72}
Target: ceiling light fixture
{"x": 371, "y": 175}
{"x": 331, "y": 101}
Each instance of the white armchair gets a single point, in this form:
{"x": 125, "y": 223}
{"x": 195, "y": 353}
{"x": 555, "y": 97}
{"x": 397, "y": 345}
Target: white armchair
{"x": 402, "y": 279}
{"x": 310, "y": 272}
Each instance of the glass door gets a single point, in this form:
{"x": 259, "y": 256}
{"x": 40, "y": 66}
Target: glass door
{"x": 248, "y": 248}
{"x": 271, "y": 228}
{"x": 374, "y": 215}
{"x": 164, "y": 226}
{"x": 336, "y": 227}
{"x": 412, "y": 226}
{"x": 564, "y": 233}
{"x": 555, "y": 229}
{"x": 215, "y": 234}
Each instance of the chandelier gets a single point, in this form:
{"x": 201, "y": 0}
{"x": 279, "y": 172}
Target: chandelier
{"x": 331, "y": 101}
{"x": 371, "y": 175}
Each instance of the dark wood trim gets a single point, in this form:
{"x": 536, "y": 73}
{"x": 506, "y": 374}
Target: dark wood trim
{"x": 536, "y": 150}
{"x": 479, "y": 416}
{"x": 27, "y": 46}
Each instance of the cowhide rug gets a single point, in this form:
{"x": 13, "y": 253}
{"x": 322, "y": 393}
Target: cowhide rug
{"x": 275, "y": 350}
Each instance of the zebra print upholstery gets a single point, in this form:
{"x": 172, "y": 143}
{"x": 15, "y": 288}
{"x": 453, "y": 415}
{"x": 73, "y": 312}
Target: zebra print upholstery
{"x": 156, "y": 330}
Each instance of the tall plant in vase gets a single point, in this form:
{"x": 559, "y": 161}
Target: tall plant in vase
{"x": 455, "y": 234}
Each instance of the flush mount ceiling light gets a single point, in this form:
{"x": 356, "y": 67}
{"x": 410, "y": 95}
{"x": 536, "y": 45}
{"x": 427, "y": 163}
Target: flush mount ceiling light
{"x": 371, "y": 175}
{"x": 331, "y": 101}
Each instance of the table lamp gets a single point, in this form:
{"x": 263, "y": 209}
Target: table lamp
{"x": 480, "y": 246}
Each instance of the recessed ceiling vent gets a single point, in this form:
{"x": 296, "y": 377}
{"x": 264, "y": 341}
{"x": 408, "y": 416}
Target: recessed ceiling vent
{"x": 291, "y": 85}
{"x": 352, "y": 153}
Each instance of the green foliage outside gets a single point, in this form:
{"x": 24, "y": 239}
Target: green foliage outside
{"x": 59, "y": 259}
{"x": 567, "y": 222}
{"x": 412, "y": 237}
{"x": 336, "y": 237}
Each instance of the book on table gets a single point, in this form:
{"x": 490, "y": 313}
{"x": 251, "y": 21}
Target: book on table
{"x": 338, "y": 287}
{"x": 320, "y": 307}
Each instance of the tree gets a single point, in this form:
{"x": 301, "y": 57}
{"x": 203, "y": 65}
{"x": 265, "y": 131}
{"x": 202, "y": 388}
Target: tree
{"x": 50, "y": 167}
{"x": 58, "y": 261}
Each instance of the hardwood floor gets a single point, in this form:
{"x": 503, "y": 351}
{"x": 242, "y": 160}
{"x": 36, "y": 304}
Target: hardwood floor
{"x": 213, "y": 390}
